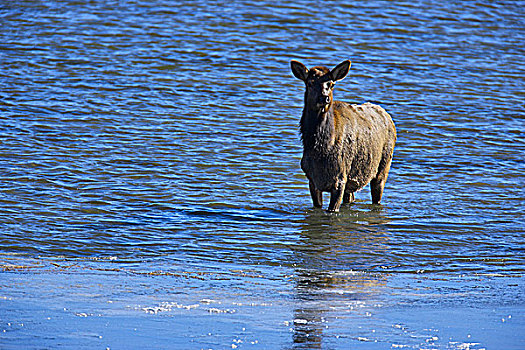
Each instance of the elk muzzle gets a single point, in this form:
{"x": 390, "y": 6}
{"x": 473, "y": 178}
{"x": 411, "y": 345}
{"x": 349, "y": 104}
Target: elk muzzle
{"x": 323, "y": 102}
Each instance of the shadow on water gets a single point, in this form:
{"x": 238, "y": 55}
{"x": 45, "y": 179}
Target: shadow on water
{"x": 333, "y": 264}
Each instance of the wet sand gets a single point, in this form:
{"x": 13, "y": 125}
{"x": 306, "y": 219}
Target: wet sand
{"x": 82, "y": 305}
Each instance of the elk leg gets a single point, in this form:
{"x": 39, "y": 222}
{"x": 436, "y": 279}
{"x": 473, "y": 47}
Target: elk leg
{"x": 348, "y": 197}
{"x": 376, "y": 188}
{"x": 377, "y": 185}
{"x": 317, "y": 196}
{"x": 336, "y": 197}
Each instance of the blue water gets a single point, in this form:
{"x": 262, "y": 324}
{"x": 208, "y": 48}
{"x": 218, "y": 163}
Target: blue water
{"x": 151, "y": 194}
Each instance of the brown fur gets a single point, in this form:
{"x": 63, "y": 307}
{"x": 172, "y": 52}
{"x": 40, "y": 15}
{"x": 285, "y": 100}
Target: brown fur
{"x": 346, "y": 146}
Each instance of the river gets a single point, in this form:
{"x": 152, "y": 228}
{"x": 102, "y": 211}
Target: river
{"x": 151, "y": 194}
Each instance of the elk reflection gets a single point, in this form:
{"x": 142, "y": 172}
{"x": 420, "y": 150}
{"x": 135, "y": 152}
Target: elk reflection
{"x": 336, "y": 269}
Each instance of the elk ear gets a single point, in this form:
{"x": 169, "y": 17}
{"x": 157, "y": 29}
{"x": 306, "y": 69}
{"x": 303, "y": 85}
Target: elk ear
{"x": 341, "y": 70}
{"x": 299, "y": 70}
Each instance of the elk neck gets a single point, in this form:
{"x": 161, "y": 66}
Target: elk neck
{"x": 317, "y": 128}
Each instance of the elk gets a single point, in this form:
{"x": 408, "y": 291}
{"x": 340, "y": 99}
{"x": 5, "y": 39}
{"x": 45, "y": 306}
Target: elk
{"x": 346, "y": 146}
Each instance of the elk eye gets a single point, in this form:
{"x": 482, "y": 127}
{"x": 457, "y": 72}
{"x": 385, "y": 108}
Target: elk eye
{"x": 328, "y": 85}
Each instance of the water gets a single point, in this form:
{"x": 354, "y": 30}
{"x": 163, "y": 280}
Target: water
{"x": 151, "y": 194}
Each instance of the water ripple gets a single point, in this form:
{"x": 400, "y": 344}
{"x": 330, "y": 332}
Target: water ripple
{"x": 119, "y": 122}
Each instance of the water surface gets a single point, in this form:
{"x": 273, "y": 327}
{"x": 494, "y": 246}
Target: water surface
{"x": 151, "y": 194}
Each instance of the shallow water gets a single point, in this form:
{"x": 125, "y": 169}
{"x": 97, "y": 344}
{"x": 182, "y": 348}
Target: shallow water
{"x": 151, "y": 194}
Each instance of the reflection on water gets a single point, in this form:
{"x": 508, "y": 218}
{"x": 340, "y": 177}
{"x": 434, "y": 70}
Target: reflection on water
{"x": 329, "y": 264}
{"x": 352, "y": 240}
{"x": 150, "y": 149}
{"x": 321, "y": 297}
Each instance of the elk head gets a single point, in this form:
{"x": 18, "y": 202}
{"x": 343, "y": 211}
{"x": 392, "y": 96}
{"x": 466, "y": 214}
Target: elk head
{"x": 319, "y": 83}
